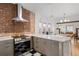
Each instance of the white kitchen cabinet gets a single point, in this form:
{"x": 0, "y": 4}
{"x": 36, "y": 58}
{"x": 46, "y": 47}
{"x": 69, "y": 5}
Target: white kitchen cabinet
{"x": 6, "y": 48}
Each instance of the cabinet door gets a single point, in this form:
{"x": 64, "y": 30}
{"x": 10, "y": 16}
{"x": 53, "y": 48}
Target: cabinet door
{"x": 41, "y": 45}
{"x": 44, "y": 46}
{"x": 48, "y": 47}
{"x": 9, "y": 48}
{"x": 2, "y": 49}
{"x": 54, "y": 48}
{"x": 38, "y": 44}
{"x": 35, "y": 40}
{"x": 6, "y": 48}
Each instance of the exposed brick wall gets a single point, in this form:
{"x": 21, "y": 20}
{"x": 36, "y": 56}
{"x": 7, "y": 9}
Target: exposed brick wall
{"x": 7, "y": 25}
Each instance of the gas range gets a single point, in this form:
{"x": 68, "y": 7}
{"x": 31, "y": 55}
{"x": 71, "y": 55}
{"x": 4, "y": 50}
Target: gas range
{"x": 21, "y": 44}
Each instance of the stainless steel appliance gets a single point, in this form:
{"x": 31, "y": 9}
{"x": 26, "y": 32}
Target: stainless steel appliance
{"x": 21, "y": 45}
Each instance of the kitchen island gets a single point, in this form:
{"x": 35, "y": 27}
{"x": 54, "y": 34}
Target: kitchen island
{"x": 52, "y": 45}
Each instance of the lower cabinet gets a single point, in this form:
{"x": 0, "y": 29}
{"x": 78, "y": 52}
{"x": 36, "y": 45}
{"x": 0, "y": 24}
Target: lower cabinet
{"x": 6, "y": 48}
{"x": 46, "y": 47}
{"x": 35, "y": 43}
{"x": 52, "y": 47}
{"x": 38, "y": 45}
{"x": 54, "y": 50}
{"x": 42, "y": 45}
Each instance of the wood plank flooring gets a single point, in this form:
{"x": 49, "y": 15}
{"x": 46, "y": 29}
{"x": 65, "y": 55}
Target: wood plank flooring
{"x": 75, "y": 48}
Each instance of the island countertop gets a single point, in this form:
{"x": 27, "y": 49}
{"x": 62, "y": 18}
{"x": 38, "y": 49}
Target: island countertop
{"x": 59, "y": 38}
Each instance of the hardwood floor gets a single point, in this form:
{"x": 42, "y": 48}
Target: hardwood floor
{"x": 75, "y": 48}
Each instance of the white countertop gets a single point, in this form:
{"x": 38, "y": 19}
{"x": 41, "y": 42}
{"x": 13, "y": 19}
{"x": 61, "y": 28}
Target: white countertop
{"x": 55, "y": 37}
{"x": 59, "y": 38}
{"x": 2, "y": 38}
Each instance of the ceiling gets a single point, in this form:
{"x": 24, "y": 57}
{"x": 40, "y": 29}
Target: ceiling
{"x": 55, "y": 9}
{"x": 33, "y": 6}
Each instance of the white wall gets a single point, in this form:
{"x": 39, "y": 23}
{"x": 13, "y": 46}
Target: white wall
{"x": 42, "y": 16}
{"x": 57, "y": 11}
{"x": 53, "y": 13}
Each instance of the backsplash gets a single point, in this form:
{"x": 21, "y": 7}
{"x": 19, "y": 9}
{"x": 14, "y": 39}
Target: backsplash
{"x": 7, "y": 25}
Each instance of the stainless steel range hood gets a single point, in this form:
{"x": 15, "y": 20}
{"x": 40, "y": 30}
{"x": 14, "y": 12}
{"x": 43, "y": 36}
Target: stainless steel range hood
{"x": 19, "y": 17}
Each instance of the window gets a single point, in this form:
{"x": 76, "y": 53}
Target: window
{"x": 69, "y": 28}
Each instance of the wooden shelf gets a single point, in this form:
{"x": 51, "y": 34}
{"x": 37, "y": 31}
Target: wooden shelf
{"x": 67, "y": 22}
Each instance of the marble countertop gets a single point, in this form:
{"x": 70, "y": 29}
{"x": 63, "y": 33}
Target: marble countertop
{"x": 2, "y": 38}
{"x": 55, "y": 37}
{"x": 59, "y": 38}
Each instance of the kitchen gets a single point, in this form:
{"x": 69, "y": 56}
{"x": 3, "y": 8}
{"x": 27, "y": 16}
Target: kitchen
{"x": 36, "y": 29}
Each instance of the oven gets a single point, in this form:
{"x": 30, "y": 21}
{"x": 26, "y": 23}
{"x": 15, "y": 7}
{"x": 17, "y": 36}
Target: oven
{"x": 21, "y": 45}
